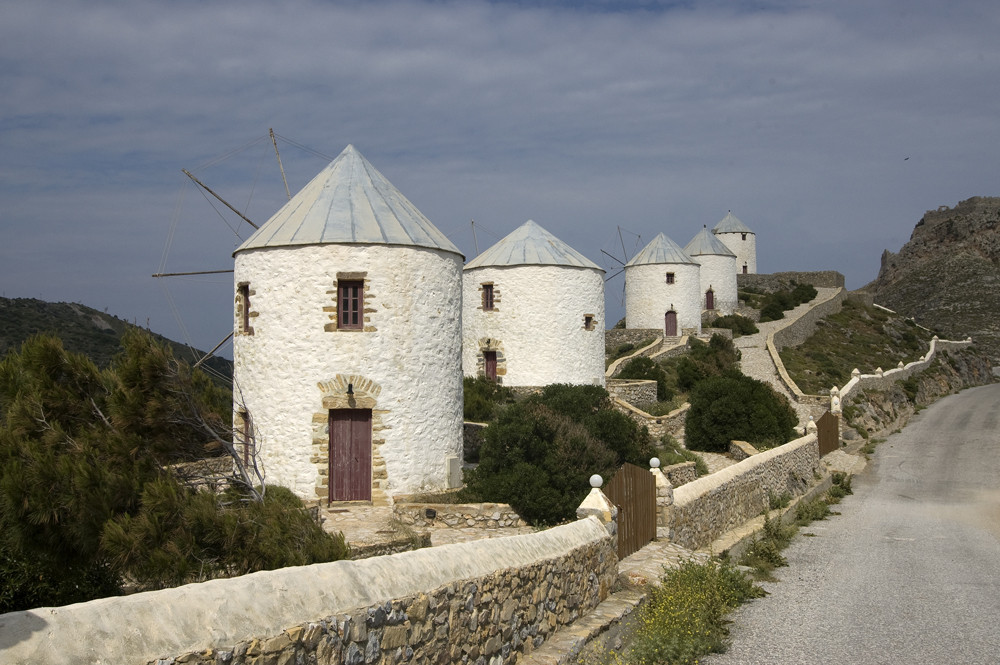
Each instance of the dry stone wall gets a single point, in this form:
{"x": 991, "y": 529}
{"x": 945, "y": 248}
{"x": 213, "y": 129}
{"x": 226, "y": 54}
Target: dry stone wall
{"x": 635, "y": 392}
{"x": 710, "y": 506}
{"x": 487, "y": 601}
{"x": 458, "y": 515}
{"x": 782, "y": 280}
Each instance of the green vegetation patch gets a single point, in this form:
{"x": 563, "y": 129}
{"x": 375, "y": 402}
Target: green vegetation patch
{"x": 684, "y": 618}
{"x": 736, "y": 407}
{"x": 540, "y": 452}
{"x": 856, "y": 337}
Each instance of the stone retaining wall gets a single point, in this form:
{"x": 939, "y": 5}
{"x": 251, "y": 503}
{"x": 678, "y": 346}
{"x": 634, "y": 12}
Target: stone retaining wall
{"x": 458, "y": 515}
{"x": 633, "y": 391}
{"x": 485, "y": 601}
{"x": 830, "y": 279}
{"x": 799, "y": 331}
{"x": 680, "y": 474}
{"x": 615, "y": 337}
{"x": 885, "y": 380}
{"x": 708, "y": 507}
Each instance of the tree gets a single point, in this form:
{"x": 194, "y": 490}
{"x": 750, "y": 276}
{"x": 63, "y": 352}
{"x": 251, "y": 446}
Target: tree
{"x": 539, "y": 453}
{"x": 84, "y": 453}
{"x": 736, "y": 407}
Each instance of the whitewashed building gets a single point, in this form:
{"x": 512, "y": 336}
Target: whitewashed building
{"x": 533, "y": 312}
{"x": 347, "y": 352}
{"x": 663, "y": 289}
{"x": 717, "y": 274}
{"x": 740, "y": 240}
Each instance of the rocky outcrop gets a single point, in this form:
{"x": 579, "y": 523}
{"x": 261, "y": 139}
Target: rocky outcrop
{"x": 948, "y": 275}
{"x": 874, "y": 413}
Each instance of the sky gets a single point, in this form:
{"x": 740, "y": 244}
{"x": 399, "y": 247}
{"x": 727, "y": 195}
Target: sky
{"x": 828, "y": 128}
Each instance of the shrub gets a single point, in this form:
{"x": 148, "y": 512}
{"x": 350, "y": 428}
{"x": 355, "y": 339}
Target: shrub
{"x": 706, "y": 360}
{"x": 642, "y": 367}
{"x": 482, "y": 397}
{"x": 734, "y": 406}
{"x": 771, "y": 311}
{"x": 540, "y": 453}
{"x": 740, "y": 325}
{"x": 671, "y": 452}
{"x": 685, "y": 616}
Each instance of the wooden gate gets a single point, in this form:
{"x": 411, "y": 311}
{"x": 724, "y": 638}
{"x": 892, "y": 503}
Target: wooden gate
{"x": 633, "y": 490}
{"x": 828, "y": 433}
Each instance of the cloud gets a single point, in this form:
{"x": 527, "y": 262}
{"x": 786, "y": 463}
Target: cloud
{"x": 583, "y": 116}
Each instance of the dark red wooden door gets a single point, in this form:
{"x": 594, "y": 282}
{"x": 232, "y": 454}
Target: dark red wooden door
{"x": 710, "y": 299}
{"x": 350, "y": 455}
{"x": 490, "y": 360}
{"x": 670, "y": 324}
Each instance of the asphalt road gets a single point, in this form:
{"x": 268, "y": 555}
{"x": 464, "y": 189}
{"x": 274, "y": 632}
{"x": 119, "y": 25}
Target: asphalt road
{"x": 909, "y": 572}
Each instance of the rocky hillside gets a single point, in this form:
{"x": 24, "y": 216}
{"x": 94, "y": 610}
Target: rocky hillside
{"x": 948, "y": 275}
{"x": 82, "y": 330}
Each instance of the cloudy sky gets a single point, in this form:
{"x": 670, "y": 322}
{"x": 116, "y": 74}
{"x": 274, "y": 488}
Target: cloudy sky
{"x": 827, "y": 127}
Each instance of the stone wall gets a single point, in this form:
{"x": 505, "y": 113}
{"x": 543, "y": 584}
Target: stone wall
{"x": 633, "y": 391}
{"x": 615, "y": 337}
{"x": 458, "y": 515}
{"x": 708, "y": 507}
{"x": 680, "y": 474}
{"x": 799, "y": 331}
{"x": 485, "y": 601}
{"x": 885, "y": 380}
{"x": 781, "y": 280}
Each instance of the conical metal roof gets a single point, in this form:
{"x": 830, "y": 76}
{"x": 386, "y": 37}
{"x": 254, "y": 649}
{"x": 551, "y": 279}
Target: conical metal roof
{"x": 730, "y": 224}
{"x": 349, "y": 202}
{"x": 706, "y": 243}
{"x": 530, "y": 244}
{"x": 661, "y": 250}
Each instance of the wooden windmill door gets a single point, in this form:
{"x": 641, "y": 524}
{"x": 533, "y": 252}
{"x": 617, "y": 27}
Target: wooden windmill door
{"x": 490, "y": 365}
{"x": 350, "y": 469}
{"x": 710, "y": 299}
{"x": 670, "y": 324}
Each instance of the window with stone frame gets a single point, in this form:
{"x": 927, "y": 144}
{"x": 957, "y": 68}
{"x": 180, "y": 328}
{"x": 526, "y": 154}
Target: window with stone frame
{"x": 487, "y": 297}
{"x": 243, "y": 308}
{"x": 588, "y": 321}
{"x": 350, "y": 305}
{"x": 670, "y": 278}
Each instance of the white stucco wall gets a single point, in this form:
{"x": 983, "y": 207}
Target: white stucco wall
{"x": 648, "y": 296}
{"x": 537, "y": 323}
{"x": 719, "y": 273}
{"x": 412, "y": 358}
{"x": 745, "y": 250}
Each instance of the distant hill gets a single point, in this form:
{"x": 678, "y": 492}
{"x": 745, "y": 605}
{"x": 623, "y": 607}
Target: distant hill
{"x": 948, "y": 275}
{"x": 82, "y": 330}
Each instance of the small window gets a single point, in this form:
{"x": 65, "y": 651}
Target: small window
{"x": 487, "y": 297}
{"x": 243, "y": 305}
{"x": 670, "y": 278}
{"x": 744, "y": 236}
{"x": 349, "y": 305}
{"x": 588, "y": 321}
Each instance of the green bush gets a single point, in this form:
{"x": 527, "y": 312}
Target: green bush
{"x": 740, "y": 325}
{"x": 642, "y": 367}
{"x": 771, "y": 311}
{"x": 540, "y": 453}
{"x": 482, "y": 397}
{"x": 736, "y": 407}
{"x": 706, "y": 360}
{"x": 684, "y": 617}
{"x": 671, "y": 452}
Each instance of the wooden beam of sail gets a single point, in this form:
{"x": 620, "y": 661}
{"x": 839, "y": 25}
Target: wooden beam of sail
{"x": 196, "y": 272}
{"x": 224, "y": 202}
{"x": 212, "y": 352}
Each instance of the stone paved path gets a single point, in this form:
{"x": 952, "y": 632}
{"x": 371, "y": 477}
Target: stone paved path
{"x": 756, "y": 362}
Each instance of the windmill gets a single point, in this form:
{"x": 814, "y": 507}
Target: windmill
{"x": 194, "y": 247}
